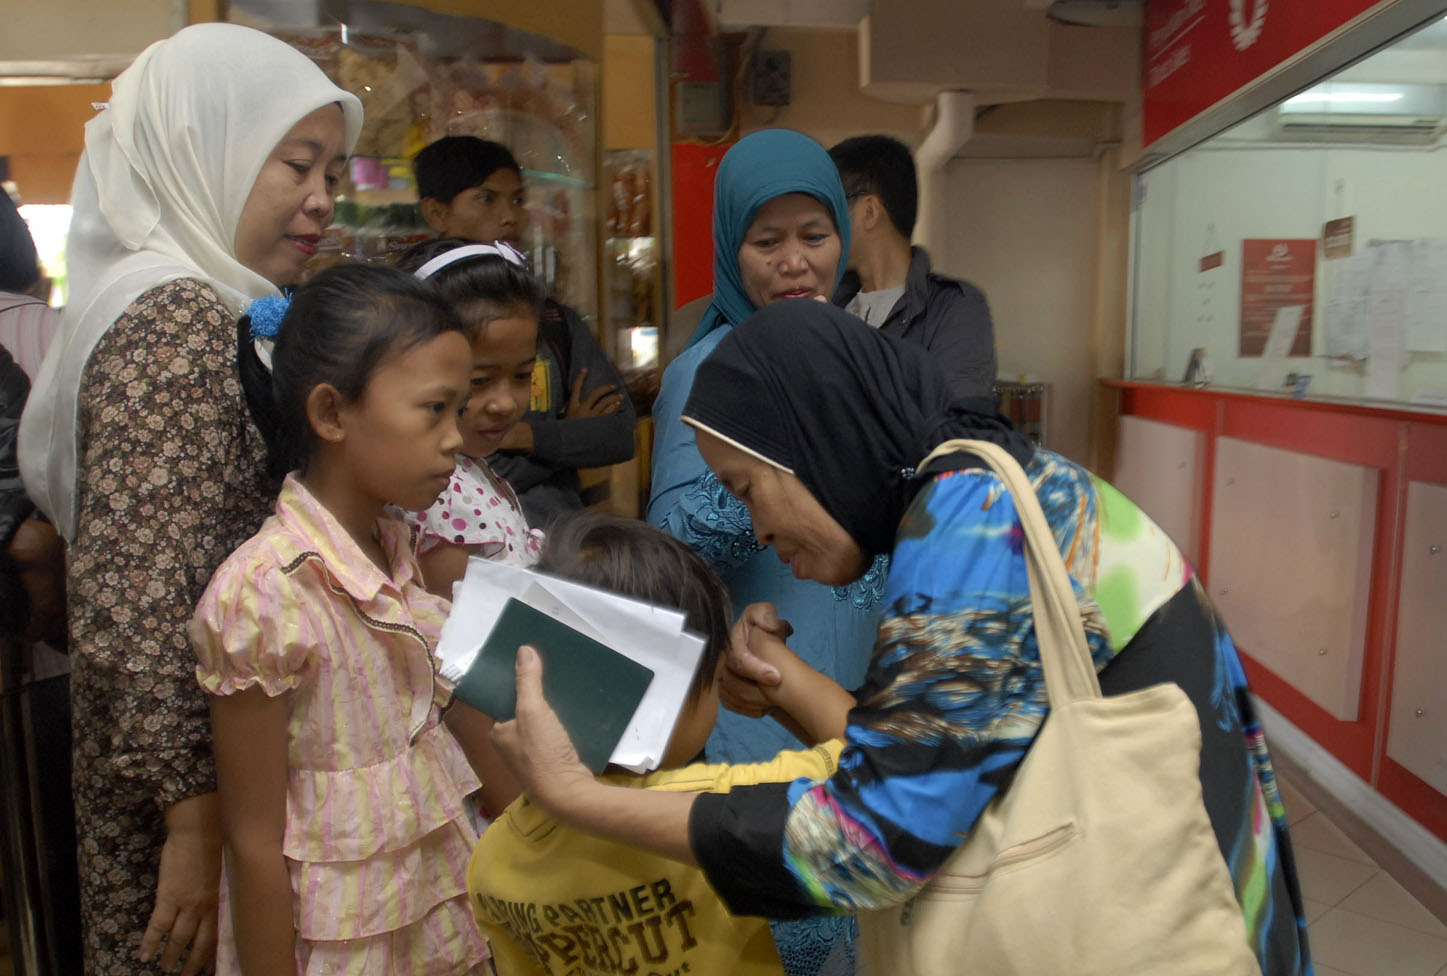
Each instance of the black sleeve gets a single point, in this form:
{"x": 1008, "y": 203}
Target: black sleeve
{"x": 960, "y": 336}
{"x": 738, "y": 838}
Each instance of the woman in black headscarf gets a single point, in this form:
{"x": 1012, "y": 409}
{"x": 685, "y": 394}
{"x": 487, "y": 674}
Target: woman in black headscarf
{"x": 822, "y": 448}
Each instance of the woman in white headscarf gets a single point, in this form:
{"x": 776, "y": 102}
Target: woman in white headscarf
{"x": 206, "y": 182}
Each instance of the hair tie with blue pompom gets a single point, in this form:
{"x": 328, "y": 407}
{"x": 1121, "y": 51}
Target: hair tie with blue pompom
{"x": 266, "y": 315}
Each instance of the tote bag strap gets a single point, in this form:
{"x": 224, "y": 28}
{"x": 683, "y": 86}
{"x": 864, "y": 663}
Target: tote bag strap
{"x": 1064, "y": 654}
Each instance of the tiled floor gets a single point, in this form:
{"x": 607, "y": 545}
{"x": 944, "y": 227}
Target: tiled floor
{"x": 1360, "y": 921}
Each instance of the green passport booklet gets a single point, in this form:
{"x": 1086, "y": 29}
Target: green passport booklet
{"x": 594, "y": 689}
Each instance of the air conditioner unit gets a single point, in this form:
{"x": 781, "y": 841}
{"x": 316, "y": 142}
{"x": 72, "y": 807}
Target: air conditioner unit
{"x": 1381, "y": 114}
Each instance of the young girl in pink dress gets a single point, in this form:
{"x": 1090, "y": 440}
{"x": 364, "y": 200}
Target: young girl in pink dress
{"x": 489, "y": 287}
{"x": 342, "y": 794}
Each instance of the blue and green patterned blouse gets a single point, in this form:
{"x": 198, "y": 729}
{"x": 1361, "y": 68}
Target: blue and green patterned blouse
{"x": 954, "y": 696}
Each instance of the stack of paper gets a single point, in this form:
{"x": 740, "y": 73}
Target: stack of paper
{"x": 650, "y": 635}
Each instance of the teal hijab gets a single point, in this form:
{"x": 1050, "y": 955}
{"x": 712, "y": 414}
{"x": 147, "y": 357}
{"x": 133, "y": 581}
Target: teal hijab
{"x": 758, "y": 168}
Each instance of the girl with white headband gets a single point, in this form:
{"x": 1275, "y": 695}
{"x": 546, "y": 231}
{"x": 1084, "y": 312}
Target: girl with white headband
{"x": 499, "y": 302}
{"x": 491, "y": 291}
{"x": 341, "y": 791}
{"x": 490, "y": 288}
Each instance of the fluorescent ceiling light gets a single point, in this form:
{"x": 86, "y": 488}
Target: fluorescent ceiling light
{"x": 1343, "y": 98}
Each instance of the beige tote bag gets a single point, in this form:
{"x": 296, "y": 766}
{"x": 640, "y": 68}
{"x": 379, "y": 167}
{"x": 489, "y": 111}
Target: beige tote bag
{"x": 1098, "y": 859}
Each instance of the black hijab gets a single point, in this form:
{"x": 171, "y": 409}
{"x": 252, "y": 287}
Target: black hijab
{"x": 850, "y": 411}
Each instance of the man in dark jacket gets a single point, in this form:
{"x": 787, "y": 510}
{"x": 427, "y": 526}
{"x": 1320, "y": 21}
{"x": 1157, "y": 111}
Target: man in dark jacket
{"x": 890, "y": 285}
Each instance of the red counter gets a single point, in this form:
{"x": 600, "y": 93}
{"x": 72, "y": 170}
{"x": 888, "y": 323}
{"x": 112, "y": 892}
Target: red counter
{"x": 1404, "y": 447}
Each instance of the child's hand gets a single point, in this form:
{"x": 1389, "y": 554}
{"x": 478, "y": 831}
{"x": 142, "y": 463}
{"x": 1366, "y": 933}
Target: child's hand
{"x": 755, "y": 697}
{"x": 752, "y": 667}
{"x": 763, "y": 677}
{"x": 536, "y": 747}
{"x": 599, "y": 402}
{"x": 764, "y": 616}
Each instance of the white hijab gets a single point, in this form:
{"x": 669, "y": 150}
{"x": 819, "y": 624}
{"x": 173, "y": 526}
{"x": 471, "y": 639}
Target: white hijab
{"x": 168, "y": 166}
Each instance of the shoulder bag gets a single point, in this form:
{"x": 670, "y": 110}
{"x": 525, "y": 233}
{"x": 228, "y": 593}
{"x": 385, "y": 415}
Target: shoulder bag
{"x": 1098, "y": 858}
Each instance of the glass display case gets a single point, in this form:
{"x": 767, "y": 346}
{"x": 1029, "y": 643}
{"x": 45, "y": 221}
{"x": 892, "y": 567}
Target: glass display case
{"x": 633, "y": 301}
{"x": 422, "y": 75}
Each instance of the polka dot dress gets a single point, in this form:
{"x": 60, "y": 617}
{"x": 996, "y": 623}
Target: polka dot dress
{"x": 481, "y": 511}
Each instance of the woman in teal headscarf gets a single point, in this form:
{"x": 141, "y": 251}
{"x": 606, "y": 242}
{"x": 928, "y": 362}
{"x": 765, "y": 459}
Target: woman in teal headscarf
{"x": 780, "y": 232}
{"x": 758, "y": 169}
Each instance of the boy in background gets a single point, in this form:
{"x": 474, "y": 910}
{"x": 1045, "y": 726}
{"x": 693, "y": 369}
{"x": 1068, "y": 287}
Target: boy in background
{"x": 580, "y": 415}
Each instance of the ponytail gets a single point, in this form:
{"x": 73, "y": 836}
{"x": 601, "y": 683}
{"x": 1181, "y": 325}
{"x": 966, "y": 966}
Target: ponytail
{"x": 337, "y": 329}
{"x": 261, "y": 401}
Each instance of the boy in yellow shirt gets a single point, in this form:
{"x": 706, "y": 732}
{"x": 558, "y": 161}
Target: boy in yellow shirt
{"x": 553, "y": 901}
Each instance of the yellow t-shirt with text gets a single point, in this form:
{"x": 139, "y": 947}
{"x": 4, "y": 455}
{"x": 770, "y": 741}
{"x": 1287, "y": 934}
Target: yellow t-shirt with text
{"x": 556, "y": 902}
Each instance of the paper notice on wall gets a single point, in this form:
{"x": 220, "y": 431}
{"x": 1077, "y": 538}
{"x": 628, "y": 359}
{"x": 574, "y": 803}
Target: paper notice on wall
{"x": 1278, "y": 347}
{"x": 1426, "y": 325}
{"x": 1387, "y": 319}
{"x": 1276, "y": 274}
{"x": 1336, "y": 238}
{"x": 1346, "y": 306}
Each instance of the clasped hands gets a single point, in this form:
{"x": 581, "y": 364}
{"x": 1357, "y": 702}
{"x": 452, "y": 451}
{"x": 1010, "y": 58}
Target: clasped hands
{"x": 764, "y": 677}
{"x": 757, "y": 662}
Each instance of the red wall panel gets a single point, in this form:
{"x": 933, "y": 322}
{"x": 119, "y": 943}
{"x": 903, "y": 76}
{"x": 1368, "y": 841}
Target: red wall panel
{"x": 1402, "y": 445}
{"x": 694, "y": 167}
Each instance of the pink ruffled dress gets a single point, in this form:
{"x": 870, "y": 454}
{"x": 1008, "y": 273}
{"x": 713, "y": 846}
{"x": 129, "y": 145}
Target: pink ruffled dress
{"x": 479, "y": 509}
{"x": 377, "y": 838}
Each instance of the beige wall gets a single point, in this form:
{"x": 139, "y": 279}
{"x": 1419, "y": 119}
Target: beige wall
{"x": 1026, "y": 232}
{"x": 630, "y": 113}
{"x": 825, "y": 101}
{"x": 1112, "y": 304}
{"x": 917, "y": 47}
{"x": 60, "y": 29}
{"x": 1001, "y": 50}
{"x": 578, "y": 23}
